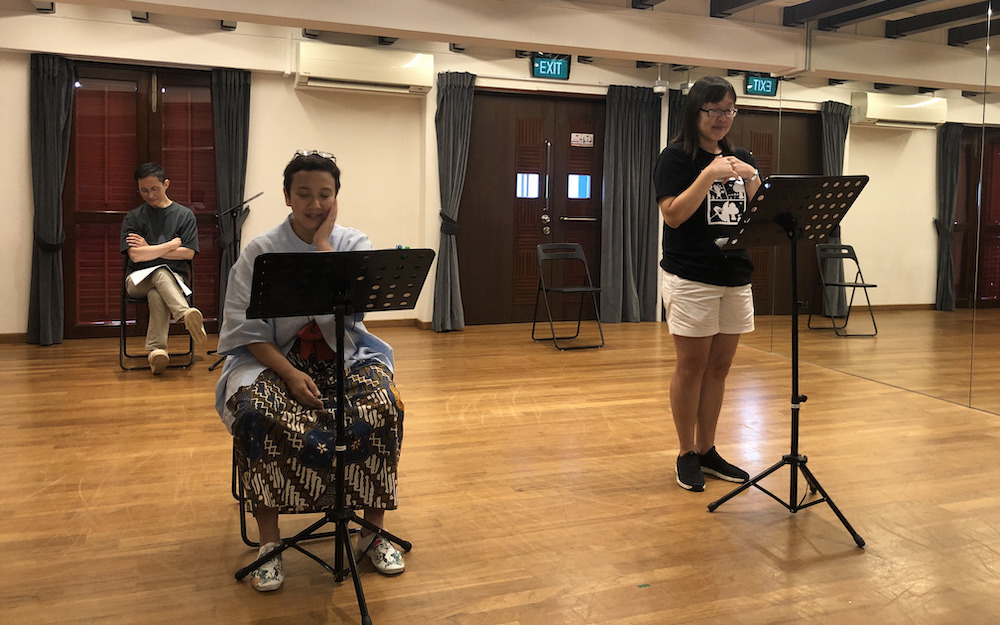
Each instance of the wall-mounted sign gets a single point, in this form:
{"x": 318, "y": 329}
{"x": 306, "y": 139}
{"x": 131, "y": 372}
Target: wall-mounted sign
{"x": 761, "y": 85}
{"x": 555, "y": 66}
{"x": 581, "y": 139}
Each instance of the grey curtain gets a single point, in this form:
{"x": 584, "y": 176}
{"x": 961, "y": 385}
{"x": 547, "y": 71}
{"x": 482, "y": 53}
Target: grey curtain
{"x": 675, "y": 107}
{"x": 836, "y": 118}
{"x": 453, "y": 121}
{"x": 949, "y": 142}
{"x": 231, "y": 114}
{"x": 629, "y": 215}
{"x": 51, "y": 103}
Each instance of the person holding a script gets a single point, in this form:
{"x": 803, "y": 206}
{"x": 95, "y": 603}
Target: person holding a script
{"x": 702, "y": 185}
{"x": 160, "y": 238}
{"x": 277, "y": 387}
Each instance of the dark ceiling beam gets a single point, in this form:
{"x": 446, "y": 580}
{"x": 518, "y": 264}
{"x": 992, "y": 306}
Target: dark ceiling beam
{"x": 799, "y": 14}
{"x": 853, "y": 16}
{"x": 725, "y": 8}
{"x": 961, "y": 35}
{"x": 645, "y": 4}
{"x": 935, "y": 20}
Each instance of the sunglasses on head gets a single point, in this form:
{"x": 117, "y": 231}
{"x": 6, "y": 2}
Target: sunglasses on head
{"x": 318, "y": 153}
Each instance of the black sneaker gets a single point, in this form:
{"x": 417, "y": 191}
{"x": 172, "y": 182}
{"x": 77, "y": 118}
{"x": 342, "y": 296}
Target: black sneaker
{"x": 713, "y": 464}
{"x": 689, "y": 472}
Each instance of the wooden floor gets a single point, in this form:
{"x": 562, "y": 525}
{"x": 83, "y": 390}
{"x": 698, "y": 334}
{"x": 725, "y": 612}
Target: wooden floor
{"x": 536, "y": 486}
{"x": 931, "y": 352}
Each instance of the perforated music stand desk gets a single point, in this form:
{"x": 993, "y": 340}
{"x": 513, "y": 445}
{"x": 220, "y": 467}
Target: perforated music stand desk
{"x": 340, "y": 284}
{"x": 786, "y": 209}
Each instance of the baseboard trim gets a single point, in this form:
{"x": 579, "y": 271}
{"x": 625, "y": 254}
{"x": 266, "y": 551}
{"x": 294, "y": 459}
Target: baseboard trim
{"x": 397, "y": 323}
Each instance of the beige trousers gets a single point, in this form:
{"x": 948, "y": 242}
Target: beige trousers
{"x": 165, "y": 299}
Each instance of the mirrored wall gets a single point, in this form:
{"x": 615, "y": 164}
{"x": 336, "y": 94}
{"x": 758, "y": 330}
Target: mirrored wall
{"x": 985, "y": 379}
{"x": 948, "y": 354}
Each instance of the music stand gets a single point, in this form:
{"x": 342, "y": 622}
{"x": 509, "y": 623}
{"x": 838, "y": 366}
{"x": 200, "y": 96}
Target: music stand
{"x": 238, "y": 214}
{"x": 787, "y": 208}
{"x": 337, "y": 283}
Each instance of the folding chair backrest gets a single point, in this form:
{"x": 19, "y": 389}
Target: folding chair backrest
{"x": 835, "y": 250}
{"x": 569, "y": 258}
{"x": 560, "y": 251}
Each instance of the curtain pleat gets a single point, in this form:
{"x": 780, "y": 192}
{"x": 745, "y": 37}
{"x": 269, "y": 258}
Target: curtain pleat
{"x": 453, "y": 121}
{"x": 836, "y": 118}
{"x": 629, "y": 215}
{"x": 51, "y": 102}
{"x": 675, "y": 107}
{"x": 949, "y": 143}
{"x": 231, "y": 112}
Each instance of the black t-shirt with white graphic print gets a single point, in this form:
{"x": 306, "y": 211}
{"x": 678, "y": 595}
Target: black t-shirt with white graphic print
{"x": 691, "y": 250}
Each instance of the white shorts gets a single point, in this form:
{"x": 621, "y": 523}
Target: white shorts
{"x": 696, "y": 309}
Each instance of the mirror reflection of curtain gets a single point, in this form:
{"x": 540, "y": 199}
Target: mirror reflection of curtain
{"x": 949, "y": 143}
{"x": 51, "y": 101}
{"x": 629, "y": 216}
{"x": 231, "y": 110}
{"x": 836, "y": 118}
{"x": 453, "y": 121}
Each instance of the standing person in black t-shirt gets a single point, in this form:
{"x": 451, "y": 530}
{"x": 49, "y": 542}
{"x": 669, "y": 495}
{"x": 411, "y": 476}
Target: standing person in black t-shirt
{"x": 702, "y": 186}
{"x": 160, "y": 237}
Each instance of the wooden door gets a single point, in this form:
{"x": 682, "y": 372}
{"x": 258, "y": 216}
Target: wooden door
{"x": 534, "y": 175}
{"x": 988, "y": 270}
{"x": 122, "y": 117}
{"x": 964, "y": 229}
{"x": 782, "y": 143}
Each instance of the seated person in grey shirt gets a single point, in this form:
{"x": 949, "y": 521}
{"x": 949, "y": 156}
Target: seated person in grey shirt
{"x": 160, "y": 237}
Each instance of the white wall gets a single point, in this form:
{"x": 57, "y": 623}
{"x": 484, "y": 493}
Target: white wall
{"x": 891, "y": 225}
{"x": 378, "y": 141}
{"x": 17, "y": 210}
{"x": 386, "y": 144}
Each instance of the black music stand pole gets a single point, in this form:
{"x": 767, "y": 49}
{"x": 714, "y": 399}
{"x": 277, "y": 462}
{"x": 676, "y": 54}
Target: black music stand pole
{"x": 789, "y": 208}
{"x": 338, "y": 283}
{"x": 237, "y": 214}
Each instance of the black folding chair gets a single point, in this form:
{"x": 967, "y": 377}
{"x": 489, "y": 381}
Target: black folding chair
{"x": 239, "y": 494}
{"x": 562, "y": 269}
{"x": 832, "y": 259}
{"x": 140, "y": 322}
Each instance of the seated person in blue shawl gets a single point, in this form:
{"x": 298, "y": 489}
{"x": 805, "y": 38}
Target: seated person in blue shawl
{"x": 278, "y": 371}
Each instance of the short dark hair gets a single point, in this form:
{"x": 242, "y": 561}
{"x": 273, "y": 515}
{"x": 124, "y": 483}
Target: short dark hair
{"x": 150, "y": 169}
{"x": 708, "y": 90}
{"x": 311, "y": 162}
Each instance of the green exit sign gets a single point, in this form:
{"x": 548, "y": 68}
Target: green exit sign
{"x": 761, "y": 85}
{"x": 555, "y": 66}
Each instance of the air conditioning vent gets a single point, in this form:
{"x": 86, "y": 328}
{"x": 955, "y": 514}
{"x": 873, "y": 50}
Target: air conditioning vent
{"x": 328, "y": 66}
{"x": 898, "y": 111}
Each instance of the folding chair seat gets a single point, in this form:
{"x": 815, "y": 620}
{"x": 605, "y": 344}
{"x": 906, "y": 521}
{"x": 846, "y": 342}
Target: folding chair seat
{"x": 563, "y": 271}
{"x": 833, "y": 260}
{"x": 141, "y": 319}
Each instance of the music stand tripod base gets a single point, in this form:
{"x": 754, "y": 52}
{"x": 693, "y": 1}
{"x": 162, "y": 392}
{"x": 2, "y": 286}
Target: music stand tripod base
{"x": 784, "y": 210}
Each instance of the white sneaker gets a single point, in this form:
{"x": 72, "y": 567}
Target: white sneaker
{"x": 158, "y": 361}
{"x": 268, "y": 576}
{"x": 387, "y": 559}
{"x": 194, "y": 322}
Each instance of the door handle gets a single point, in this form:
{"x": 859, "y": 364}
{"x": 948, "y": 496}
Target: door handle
{"x": 565, "y": 218}
{"x": 548, "y": 172}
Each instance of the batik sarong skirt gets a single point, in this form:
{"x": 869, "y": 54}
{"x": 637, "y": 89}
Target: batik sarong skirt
{"x": 285, "y": 451}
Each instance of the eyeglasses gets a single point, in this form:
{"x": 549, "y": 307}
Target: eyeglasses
{"x": 720, "y": 112}
{"x": 325, "y": 155}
